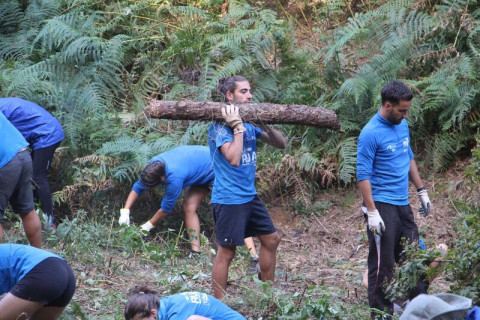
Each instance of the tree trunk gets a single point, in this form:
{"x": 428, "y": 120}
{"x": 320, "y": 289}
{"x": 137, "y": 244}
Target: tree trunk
{"x": 260, "y": 113}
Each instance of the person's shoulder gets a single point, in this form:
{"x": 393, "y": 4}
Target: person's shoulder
{"x": 219, "y": 129}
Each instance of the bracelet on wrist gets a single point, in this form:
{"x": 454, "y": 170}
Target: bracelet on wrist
{"x": 421, "y": 189}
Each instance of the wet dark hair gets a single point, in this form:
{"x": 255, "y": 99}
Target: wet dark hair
{"x": 395, "y": 92}
{"x": 228, "y": 85}
{"x": 141, "y": 301}
{"x": 153, "y": 173}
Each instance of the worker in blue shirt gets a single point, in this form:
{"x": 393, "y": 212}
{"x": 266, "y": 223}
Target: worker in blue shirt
{"x": 385, "y": 165}
{"x": 15, "y": 181}
{"x": 238, "y": 211}
{"x": 144, "y": 303}
{"x": 43, "y": 133}
{"x": 38, "y": 284}
{"x": 182, "y": 167}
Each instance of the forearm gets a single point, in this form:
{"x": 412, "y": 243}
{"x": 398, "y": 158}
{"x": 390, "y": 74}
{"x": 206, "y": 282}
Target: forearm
{"x": 273, "y": 137}
{"x": 414, "y": 175}
{"x": 366, "y": 190}
{"x": 233, "y": 151}
{"x": 132, "y": 197}
{"x": 157, "y": 217}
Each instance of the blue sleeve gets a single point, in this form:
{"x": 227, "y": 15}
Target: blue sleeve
{"x": 366, "y": 149}
{"x": 410, "y": 152}
{"x": 138, "y": 187}
{"x": 258, "y": 131}
{"x": 223, "y": 134}
{"x": 172, "y": 192}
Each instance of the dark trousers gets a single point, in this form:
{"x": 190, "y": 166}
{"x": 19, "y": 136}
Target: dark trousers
{"x": 399, "y": 223}
{"x": 41, "y": 161}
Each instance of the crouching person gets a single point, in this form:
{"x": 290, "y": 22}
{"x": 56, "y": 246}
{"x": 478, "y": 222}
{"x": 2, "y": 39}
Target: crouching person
{"x": 39, "y": 284}
{"x": 145, "y": 304}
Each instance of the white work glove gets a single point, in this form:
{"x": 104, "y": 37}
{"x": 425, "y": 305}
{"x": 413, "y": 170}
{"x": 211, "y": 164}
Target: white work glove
{"x": 424, "y": 201}
{"x": 147, "y": 226}
{"x": 375, "y": 222}
{"x": 124, "y": 217}
{"x": 232, "y": 118}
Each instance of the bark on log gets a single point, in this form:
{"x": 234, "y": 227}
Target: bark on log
{"x": 261, "y": 113}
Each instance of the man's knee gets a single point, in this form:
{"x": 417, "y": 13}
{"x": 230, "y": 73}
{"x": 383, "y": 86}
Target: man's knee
{"x": 226, "y": 254}
{"x": 270, "y": 241}
{"x": 190, "y": 207}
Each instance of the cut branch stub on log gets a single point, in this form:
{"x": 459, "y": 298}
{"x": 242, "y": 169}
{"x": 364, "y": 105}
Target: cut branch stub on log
{"x": 260, "y": 113}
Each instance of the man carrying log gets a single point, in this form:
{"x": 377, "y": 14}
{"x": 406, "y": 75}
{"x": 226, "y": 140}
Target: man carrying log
{"x": 238, "y": 212}
{"x": 385, "y": 165}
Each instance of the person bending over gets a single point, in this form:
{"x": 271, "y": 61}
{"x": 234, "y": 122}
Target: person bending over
{"x": 186, "y": 167}
{"x": 238, "y": 212}
{"x": 44, "y": 133}
{"x": 38, "y": 284}
{"x": 15, "y": 181}
{"x": 145, "y": 304}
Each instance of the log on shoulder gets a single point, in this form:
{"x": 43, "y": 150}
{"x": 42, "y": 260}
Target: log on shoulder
{"x": 260, "y": 113}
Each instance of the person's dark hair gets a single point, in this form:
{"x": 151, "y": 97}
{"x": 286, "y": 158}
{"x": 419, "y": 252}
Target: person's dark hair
{"x": 153, "y": 173}
{"x": 396, "y": 91}
{"x": 228, "y": 85}
{"x": 141, "y": 301}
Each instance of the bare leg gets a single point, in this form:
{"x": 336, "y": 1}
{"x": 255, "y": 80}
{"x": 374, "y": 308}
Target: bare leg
{"x": 13, "y": 308}
{"x": 192, "y": 200}
{"x": 33, "y": 228}
{"x": 220, "y": 270}
{"x": 47, "y": 313}
{"x": 1, "y": 233}
{"x": 268, "y": 255}
{"x": 251, "y": 247}
{"x": 365, "y": 279}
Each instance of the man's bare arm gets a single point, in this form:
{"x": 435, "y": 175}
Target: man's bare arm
{"x": 273, "y": 137}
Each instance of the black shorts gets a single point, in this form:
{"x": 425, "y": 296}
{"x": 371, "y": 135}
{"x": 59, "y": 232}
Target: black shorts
{"x": 16, "y": 185}
{"x": 50, "y": 282}
{"x": 235, "y": 222}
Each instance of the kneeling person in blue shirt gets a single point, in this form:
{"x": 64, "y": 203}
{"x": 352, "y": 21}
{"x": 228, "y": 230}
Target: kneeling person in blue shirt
{"x": 183, "y": 167}
{"x": 38, "y": 284}
{"x": 145, "y": 304}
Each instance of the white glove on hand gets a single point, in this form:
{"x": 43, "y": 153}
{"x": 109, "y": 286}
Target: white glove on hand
{"x": 147, "y": 226}
{"x": 232, "y": 118}
{"x": 375, "y": 222}
{"x": 425, "y": 202}
{"x": 124, "y": 217}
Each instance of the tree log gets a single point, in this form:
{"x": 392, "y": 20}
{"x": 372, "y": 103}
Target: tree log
{"x": 261, "y": 113}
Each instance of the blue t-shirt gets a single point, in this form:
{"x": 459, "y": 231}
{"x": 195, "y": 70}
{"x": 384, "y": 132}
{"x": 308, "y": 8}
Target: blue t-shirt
{"x": 39, "y": 127}
{"x": 16, "y": 260}
{"x": 233, "y": 185}
{"x": 184, "y": 166}
{"x": 11, "y": 141}
{"x": 383, "y": 157}
{"x": 183, "y": 305}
